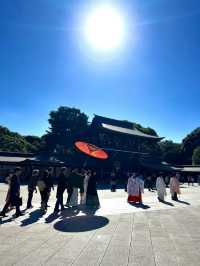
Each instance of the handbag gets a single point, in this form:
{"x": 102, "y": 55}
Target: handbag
{"x": 41, "y": 185}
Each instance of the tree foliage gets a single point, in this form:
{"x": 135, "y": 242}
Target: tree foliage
{"x": 146, "y": 130}
{"x": 171, "y": 152}
{"x": 196, "y": 156}
{"x": 14, "y": 142}
{"x": 66, "y": 124}
{"x": 189, "y": 144}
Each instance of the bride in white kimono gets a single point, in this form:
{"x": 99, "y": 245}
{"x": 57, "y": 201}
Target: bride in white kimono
{"x": 161, "y": 188}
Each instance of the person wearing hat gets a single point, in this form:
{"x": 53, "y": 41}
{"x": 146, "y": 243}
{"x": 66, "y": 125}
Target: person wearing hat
{"x": 161, "y": 187}
{"x": 14, "y": 194}
{"x": 32, "y": 187}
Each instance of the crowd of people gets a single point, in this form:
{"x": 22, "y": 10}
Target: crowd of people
{"x": 135, "y": 187}
{"x": 81, "y": 188}
{"x": 72, "y": 180}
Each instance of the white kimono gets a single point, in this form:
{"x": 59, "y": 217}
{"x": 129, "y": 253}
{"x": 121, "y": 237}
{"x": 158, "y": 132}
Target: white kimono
{"x": 135, "y": 186}
{"x": 161, "y": 188}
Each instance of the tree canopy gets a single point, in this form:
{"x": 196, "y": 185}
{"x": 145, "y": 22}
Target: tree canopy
{"x": 171, "y": 152}
{"x": 66, "y": 124}
{"x": 189, "y": 143}
{"x": 14, "y": 142}
{"x": 196, "y": 156}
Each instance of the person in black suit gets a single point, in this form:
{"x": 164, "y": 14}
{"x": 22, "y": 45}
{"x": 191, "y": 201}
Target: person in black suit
{"x": 62, "y": 184}
{"x": 14, "y": 194}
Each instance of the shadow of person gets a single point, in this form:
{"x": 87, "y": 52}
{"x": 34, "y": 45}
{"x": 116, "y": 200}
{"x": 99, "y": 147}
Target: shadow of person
{"x": 140, "y": 205}
{"x": 4, "y": 221}
{"x": 81, "y": 223}
{"x": 183, "y": 202}
{"x": 33, "y": 218}
{"x": 166, "y": 202}
{"x": 89, "y": 210}
{"x": 69, "y": 212}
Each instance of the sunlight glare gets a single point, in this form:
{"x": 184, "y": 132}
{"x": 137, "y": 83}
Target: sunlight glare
{"x": 105, "y": 28}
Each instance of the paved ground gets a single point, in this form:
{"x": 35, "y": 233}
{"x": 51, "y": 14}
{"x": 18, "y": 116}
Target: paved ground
{"x": 118, "y": 234}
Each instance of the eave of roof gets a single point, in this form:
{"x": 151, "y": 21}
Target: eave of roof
{"x": 191, "y": 169}
{"x": 12, "y": 159}
{"x": 133, "y": 132}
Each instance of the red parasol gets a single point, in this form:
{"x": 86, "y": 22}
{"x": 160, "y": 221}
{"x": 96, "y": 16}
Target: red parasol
{"x": 91, "y": 150}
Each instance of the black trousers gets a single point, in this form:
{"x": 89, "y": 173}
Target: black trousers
{"x": 59, "y": 203}
{"x": 6, "y": 206}
{"x": 69, "y": 192}
{"x": 30, "y": 197}
{"x": 44, "y": 198}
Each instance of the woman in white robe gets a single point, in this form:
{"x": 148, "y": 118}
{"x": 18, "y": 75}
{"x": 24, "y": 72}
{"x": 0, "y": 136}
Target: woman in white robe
{"x": 175, "y": 187}
{"x": 161, "y": 188}
{"x": 135, "y": 188}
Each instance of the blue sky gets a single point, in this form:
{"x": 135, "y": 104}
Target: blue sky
{"x": 45, "y": 63}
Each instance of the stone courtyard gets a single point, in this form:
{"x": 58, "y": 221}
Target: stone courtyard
{"x": 117, "y": 234}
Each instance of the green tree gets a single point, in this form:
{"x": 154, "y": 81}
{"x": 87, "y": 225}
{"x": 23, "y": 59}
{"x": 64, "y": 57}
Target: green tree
{"x": 66, "y": 124}
{"x": 171, "y": 152}
{"x": 35, "y": 141}
{"x": 196, "y": 156}
{"x": 146, "y": 130}
{"x": 189, "y": 144}
{"x": 14, "y": 142}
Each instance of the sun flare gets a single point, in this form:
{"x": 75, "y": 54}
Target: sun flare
{"x": 104, "y": 28}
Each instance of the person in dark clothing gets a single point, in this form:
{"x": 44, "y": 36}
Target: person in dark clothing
{"x": 92, "y": 198}
{"x": 14, "y": 194}
{"x": 149, "y": 183}
{"x": 75, "y": 180}
{"x": 62, "y": 184}
{"x": 32, "y": 187}
{"x": 50, "y": 182}
{"x": 44, "y": 184}
{"x": 113, "y": 182}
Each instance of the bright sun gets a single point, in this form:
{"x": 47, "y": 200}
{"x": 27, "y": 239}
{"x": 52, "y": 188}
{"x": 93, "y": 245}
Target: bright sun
{"x": 104, "y": 28}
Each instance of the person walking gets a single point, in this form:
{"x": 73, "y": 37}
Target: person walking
{"x": 198, "y": 180}
{"x": 135, "y": 188}
{"x": 44, "y": 186}
{"x": 113, "y": 182}
{"x": 92, "y": 199}
{"x": 14, "y": 194}
{"x": 50, "y": 180}
{"x": 32, "y": 187}
{"x": 87, "y": 175}
{"x": 62, "y": 184}
{"x": 174, "y": 187}
{"x": 161, "y": 188}
{"x": 149, "y": 184}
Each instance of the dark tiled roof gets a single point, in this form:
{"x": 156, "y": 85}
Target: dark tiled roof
{"x": 128, "y": 131}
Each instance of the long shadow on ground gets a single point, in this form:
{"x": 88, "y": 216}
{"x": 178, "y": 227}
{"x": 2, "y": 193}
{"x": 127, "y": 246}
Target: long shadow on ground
{"x": 183, "y": 202}
{"x": 67, "y": 213}
{"x": 166, "y": 202}
{"x": 34, "y": 216}
{"x": 81, "y": 223}
{"x": 140, "y": 205}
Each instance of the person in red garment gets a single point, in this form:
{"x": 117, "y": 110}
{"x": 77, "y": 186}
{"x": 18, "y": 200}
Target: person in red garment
{"x": 135, "y": 188}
